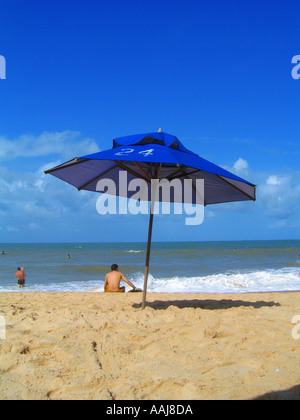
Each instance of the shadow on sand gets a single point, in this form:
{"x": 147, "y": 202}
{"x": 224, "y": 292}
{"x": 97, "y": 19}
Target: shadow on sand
{"x": 288, "y": 394}
{"x": 206, "y": 304}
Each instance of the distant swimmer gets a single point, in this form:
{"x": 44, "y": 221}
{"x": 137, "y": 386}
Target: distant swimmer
{"x": 68, "y": 256}
{"x": 20, "y": 276}
{"x": 3, "y": 253}
{"x": 113, "y": 279}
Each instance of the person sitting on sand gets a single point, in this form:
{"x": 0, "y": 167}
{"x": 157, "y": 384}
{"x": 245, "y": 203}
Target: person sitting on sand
{"x": 20, "y": 276}
{"x": 113, "y": 279}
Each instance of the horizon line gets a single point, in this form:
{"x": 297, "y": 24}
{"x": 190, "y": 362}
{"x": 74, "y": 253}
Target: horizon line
{"x": 145, "y": 242}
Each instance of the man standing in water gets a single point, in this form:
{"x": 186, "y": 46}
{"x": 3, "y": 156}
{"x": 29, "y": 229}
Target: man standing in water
{"x": 113, "y": 279}
{"x": 20, "y": 276}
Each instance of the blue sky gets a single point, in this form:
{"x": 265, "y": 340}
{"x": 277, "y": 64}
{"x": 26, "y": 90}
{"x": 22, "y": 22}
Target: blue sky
{"x": 215, "y": 73}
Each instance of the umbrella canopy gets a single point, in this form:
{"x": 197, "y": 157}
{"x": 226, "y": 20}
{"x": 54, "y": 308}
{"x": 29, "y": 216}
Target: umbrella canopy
{"x": 154, "y": 156}
{"x": 138, "y": 155}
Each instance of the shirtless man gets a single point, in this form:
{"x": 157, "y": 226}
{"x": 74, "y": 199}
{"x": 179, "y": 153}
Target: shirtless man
{"x": 113, "y": 279}
{"x": 20, "y": 276}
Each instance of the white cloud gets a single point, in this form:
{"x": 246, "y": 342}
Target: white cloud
{"x": 241, "y": 166}
{"x": 12, "y": 229}
{"x": 279, "y": 195}
{"x": 31, "y": 200}
{"x": 273, "y": 180}
{"x": 33, "y": 226}
{"x": 67, "y": 144}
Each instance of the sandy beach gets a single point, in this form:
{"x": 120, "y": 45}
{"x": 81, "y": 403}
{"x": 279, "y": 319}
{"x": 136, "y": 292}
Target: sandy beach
{"x": 181, "y": 347}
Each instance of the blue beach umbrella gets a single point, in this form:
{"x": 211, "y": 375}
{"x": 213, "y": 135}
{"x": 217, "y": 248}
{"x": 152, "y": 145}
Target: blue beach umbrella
{"x": 154, "y": 156}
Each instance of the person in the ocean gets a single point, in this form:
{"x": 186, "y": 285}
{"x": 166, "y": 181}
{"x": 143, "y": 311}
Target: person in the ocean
{"x": 113, "y": 279}
{"x": 20, "y": 276}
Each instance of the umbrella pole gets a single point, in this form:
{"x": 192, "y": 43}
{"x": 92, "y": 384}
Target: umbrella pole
{"x": 153, "y": 192}
{"x": 147, "y": 260}
{"x": 154, "y": 186}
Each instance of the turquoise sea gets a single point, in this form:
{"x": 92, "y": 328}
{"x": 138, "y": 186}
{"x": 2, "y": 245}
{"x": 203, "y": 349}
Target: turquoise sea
{"x": 206, "y": 267}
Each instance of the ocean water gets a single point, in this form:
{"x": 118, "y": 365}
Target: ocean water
{"x": 189, "y": 267}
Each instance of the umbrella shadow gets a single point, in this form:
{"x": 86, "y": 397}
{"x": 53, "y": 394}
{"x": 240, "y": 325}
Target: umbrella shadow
{"x": 288, "y": 394}
{"x": 208, "y": 304}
